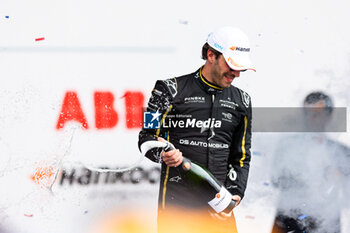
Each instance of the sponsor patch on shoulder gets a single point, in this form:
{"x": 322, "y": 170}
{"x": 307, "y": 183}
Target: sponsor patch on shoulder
{"x": 172, "y": 84}
{"x": 245, "y": 98}
{"x": 197, "y": 75}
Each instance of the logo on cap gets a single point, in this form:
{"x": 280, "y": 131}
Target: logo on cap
{"x": 233, "y": 48}
{"x": 243, "y": 49}
{"x": 233, "y": 62}
{"x": 218, "y": 46}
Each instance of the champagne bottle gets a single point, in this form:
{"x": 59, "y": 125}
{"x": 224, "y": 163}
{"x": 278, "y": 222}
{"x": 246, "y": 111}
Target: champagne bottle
{"x": 219, "y": 198}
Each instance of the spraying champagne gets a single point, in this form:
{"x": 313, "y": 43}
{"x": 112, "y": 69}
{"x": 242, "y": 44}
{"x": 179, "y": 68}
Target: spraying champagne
{"x": 218, "y": 197}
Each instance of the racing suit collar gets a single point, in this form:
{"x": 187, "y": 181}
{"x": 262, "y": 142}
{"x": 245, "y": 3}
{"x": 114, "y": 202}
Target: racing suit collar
{"x": 208, "y": 86}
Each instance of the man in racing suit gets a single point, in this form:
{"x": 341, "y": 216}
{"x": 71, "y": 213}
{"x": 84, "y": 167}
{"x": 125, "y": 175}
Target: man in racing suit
{"x": 216, "y": 125}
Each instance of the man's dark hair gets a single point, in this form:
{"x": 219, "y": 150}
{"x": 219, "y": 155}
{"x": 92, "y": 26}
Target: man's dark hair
{"x": 318, "y": 96}
{"x": 205, "y": 49}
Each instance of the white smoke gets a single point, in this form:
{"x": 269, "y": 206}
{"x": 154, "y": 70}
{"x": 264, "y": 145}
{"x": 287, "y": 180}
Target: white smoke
{"x": 309, "y": 171}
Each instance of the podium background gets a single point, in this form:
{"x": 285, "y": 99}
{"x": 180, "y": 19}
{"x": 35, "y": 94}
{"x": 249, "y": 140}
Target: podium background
{"x": 125, "y": 46}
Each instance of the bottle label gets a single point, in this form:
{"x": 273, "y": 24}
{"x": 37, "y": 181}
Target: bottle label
{"x": 221, "y": 200}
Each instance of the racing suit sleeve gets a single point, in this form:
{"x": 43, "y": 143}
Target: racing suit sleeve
{"x": 239, "y": 158}
{"x": 161, "y": 101}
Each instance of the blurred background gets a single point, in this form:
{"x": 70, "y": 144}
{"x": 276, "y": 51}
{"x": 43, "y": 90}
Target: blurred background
{"x": 97, "y": 62}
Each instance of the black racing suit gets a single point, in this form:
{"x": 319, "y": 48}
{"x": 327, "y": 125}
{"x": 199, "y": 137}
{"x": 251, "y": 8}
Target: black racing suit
{"x": 216, "y": 134}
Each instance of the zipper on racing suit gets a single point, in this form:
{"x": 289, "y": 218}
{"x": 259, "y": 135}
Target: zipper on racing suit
{"x": 211, "y": 132}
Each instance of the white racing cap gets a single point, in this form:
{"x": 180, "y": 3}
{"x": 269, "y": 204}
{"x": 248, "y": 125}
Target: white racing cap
{"x": 234, "y": 46}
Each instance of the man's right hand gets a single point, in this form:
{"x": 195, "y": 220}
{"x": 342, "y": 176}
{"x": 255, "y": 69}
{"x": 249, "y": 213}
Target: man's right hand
{"x": 171, "y": 158}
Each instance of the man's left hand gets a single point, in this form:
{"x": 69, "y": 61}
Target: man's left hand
{"x": 224, "y": 216}
{"x": 237, "y": 199}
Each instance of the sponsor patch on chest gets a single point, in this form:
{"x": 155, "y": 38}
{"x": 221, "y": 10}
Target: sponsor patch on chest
{"x": 228, "y": 104}
{"x": 226, "y": 116}
{"x": 194, "y": 99}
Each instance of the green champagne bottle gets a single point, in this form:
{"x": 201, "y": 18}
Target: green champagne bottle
{"x": 219, "y": 198}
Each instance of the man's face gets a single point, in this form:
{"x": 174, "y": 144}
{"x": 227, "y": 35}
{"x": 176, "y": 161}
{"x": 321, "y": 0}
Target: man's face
{"x": 222, "y": 74}
{"x": 316, "y": 115}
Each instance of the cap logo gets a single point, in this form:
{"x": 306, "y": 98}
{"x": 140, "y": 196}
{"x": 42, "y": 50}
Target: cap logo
{"x": 233, "y": 62}
{"x": 218, "y": 46}
{"x": 233, "y": 48}
{"x": 243, "y": 49}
